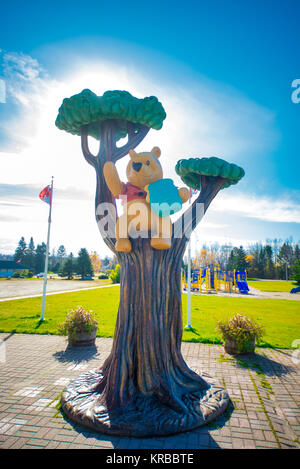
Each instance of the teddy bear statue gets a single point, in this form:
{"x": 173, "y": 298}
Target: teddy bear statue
{"x": 148, "y": 200}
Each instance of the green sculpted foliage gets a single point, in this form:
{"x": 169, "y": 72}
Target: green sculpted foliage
{"x": 86, "y": 108}
{"x": 191, "y": 169}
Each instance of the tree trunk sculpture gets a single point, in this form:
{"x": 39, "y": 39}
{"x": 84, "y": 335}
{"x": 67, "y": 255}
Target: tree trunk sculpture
{"x": 144, "y": 387}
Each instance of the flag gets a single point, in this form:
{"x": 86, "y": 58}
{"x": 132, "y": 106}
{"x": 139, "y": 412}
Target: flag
{"x": 193, "y": 191}
{"x": 45, "y": 195}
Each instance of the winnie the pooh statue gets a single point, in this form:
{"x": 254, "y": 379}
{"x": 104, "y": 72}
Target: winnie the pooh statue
{"x": 148, "y": 200}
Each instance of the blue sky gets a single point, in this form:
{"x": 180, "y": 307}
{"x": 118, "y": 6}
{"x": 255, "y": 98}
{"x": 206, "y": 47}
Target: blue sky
{"x": 222, "y": 69}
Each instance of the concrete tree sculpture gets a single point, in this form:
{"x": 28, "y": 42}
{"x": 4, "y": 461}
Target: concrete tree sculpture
{"x": 144, "y": 387}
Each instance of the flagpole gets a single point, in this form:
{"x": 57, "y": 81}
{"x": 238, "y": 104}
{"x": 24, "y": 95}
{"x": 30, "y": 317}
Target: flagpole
{"x": 189, "y": 326}
{"x": 47, "y": 255}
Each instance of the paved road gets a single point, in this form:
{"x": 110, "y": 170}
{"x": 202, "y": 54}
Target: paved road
{"x": 25, "y": 288}
{"x": 34, "y": 369}
{"x": 18, "y": 288}
{"x": 255, "y": 293}
{"x": 274, "y": 295}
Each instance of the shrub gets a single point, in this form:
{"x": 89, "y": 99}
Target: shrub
{"x": 241, "y": 329}
{"x": 78, "y": 321}
{"x": 16, "y": 275}
{"x": 116, "y": 274}
{"x": 102, "y": 276}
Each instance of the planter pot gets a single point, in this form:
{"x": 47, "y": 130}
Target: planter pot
{"x": 83, "y": 339}
{"x": 231, "y": 347}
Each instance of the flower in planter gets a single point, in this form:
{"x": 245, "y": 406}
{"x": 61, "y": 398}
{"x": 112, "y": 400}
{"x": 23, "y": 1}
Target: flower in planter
{"x": 78, "y": 321}
{"x": 240, "y": 333}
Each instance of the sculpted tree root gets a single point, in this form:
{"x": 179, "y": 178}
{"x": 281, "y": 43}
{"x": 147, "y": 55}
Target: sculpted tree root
{"x": 145, "y": 416}
{"x": 145, "y": 387}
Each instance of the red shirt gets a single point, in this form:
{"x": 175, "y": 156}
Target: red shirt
{"x": 132, "y": 192}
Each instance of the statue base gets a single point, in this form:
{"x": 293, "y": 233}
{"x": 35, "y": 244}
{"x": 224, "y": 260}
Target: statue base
{"x": 146, "y": 416}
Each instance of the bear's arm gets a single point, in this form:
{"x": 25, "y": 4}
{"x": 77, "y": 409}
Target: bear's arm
{"x": 183, "y": 194}
{"x": 112, "y": 178}
{"x": 147, "y": 192}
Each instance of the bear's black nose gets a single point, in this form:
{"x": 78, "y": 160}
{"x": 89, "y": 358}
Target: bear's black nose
{"x": 137, "y": 166}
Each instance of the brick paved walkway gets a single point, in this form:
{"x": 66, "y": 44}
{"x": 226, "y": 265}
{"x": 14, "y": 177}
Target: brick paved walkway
{"x": 34, "y": 369}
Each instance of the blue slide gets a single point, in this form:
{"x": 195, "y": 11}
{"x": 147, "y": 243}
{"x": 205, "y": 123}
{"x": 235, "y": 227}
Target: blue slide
{"x": 241, "y": 282}
{"x": 242, "y": 286}
{"x": 295, "y": 290}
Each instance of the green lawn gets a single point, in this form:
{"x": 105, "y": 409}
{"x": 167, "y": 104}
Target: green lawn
{"x": 23, "y": 315}
{"x": 272, "y": 285}
{"x": 281, "y": 318}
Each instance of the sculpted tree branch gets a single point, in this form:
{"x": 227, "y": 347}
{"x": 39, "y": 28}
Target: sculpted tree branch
{"x": 136, "y": 134}
{"x": 209, "y": 176}
{"x": 90, "y": 158}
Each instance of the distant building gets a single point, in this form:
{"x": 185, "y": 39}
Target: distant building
{"x": 6, "y": 257}
{"x": 8, "y": 268}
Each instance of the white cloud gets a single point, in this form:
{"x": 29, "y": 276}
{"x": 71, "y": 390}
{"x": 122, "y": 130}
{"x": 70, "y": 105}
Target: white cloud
{"x": 283, "y": 210}
{"x": 26, "y": 86}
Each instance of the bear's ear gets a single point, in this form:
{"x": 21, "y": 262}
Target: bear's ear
{"x": 156, "y": 151}
{"x": 132, "y": 153}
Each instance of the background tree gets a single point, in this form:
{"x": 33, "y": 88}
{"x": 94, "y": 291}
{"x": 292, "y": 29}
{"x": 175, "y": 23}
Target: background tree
{"x": 296, "y": 271}
{"x": 285, "y": 258}
{"x": 221, "y": 255}
{"x": 145, "y": 373}
{"x": 270, "y": 267}
{"x": 237, "y": 259}
{"x": 61, "y": 254}
{"x": 105, "y": 263}
{"x": 20, "y": 252}
{"x": 241, "y": 262}
{"x": 96, "y": 262}
{"x": 257, "y": 266}
{"x": 296, "y": 253}
{"x": 53, "y": 262}
{"x": 30, "y": 255}
{"x": 40, "y": 255}
{"x": 262, "y": 261}
{"x": 231, "y": 260}
{"x": 68, "y": 268}
{"x": 205, "y": 257}
{"x": 83, "y": 265}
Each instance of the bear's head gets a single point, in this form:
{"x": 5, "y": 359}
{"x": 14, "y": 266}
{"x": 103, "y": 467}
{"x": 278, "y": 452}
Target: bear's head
{"x": 144, "y": 168}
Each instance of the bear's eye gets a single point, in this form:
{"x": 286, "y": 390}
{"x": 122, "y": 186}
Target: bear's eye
{"x": 147, "y": 162}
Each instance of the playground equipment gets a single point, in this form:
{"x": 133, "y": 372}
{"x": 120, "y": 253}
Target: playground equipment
{"x": 240, "y": 279}
{"x": 210, "y": 279}
{"x": 203, "y": 279}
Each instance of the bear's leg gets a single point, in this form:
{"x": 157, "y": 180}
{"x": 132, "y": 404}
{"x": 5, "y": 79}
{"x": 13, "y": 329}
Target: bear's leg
{"x": 163, "y": 228}
{"x": 123, "y": 244}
